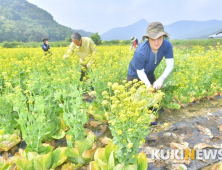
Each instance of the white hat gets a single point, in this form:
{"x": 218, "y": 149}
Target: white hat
{"x": 133, "y": 39}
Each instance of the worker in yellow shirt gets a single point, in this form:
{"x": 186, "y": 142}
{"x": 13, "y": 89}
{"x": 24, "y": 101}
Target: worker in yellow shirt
{"x": 84, "y": 47}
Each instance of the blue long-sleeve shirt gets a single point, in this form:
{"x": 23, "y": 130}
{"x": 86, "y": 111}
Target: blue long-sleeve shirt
{"x": 45, "y": 47}
{"x": 144, "y": 58}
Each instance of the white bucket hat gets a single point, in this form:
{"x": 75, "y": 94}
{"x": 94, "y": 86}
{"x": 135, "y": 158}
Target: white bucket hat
{"x": 133, "y": 39}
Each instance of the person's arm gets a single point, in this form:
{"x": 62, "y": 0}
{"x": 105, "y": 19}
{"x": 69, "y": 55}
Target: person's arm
{"x": 131, "y": 47}
{"x": 93, "y": 49}
{"x": 142, "y": 75}
{"x": 69, "y": 52}
{"x": 140, "y": 60}
{"x": 169, "y": 67}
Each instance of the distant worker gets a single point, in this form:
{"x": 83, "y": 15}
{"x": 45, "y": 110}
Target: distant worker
{"x": 84, "y": 47}
{"x": 149, "y": 55}
{"x": 134, "y": 42}
{"x": 45, "y": 45}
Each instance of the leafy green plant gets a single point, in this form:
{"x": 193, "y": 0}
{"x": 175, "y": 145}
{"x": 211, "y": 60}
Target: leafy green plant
{"x": 129, "y": 115}
{"x": 104, "y": 158}
{"x": 95, "y": 110}
{"x": 84, "y": 150}
{"x": 71, "y": 166}
{"x": 7, "y": 141}
{"x": 8, "y": 117}
{"x": 112, "y": 61}
{"x": 75, "y": 115}
{"x": 33, "y": 161}
{"x": 6, "y": 166}
{"x": 32, "y": 119}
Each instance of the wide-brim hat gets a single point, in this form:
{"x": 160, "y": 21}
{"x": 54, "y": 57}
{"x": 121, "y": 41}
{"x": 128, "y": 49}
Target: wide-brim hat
{"x": 133, "y": 39}
{"x": 155, "y": 30}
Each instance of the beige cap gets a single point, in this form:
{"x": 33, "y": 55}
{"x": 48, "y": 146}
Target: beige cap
{"x": 155, "y": 30}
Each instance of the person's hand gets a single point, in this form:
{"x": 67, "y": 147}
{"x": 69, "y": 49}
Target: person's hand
{"x": 87, "y": 66}
{"x": 158, "y": 84}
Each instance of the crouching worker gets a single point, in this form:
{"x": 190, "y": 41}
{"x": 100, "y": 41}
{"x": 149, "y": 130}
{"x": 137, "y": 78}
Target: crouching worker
{"x": 134, "y": 43}
{"x": 84, "y": 47}
{"x": 149, "y": 54}
{"x": 45, "y": 46}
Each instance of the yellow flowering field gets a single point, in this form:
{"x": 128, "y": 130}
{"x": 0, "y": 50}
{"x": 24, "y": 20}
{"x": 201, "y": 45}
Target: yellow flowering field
{"x": 42, "y": 99}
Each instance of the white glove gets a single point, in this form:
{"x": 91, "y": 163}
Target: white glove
{"x": 158, "y": 84}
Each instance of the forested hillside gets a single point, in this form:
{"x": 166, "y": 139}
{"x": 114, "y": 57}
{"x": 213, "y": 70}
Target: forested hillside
{"x": 23, "y": 21}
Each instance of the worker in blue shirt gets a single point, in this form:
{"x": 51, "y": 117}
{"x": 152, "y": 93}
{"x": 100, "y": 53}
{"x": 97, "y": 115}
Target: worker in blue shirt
{"x": 149, "y": 54}
{"x": 45, "y": 45}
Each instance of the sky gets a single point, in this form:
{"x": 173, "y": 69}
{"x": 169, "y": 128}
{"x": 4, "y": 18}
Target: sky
{"x": 103, "y": 15}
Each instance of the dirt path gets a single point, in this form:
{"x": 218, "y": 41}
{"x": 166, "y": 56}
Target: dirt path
{"x": 198, "y": 126}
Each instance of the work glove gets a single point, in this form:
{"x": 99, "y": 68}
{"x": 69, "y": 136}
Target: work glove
{"x": 158, "y": 84}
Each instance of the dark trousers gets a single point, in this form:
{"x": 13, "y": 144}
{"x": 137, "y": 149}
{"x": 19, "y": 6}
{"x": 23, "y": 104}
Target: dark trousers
{"x": 48, "y": 52}
{"x": 83, "y": 72}
{"x": 152, "y": 79}
{"x": 82, "y": 75}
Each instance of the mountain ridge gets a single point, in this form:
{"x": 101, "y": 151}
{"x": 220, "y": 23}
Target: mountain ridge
{"x": 184, "y": 29}
{"x": 24, "y": 21}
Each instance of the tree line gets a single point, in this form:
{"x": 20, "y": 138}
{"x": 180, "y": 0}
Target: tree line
{"x": 23, "y": 21}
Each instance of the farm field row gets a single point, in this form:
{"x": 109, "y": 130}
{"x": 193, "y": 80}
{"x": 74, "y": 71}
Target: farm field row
{"x": 42, "y": 100}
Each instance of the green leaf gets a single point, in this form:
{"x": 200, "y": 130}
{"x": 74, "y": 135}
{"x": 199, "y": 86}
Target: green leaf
{"x": 31, "y": 155}
{"x": 66, "y": 118}
{"x": 102, "y": 164}
{"x": 23, "y": 163}
{"x": 100, "y": 154}
{"x": 168, "y": 98}
{"x": 45, "y": 149}
{"x": 109, "y": 149}
{"x": 132, "y": 167}
{"x": 173, "y": 105}
{"x": 6, "y": 166}
{"x": 8, "y": 141}
{"x": 88, "y": 155}
{"x": 94, "y": 166}
{"x": 87, "y": 144}
{"x": 43, "y": 162}
{"x": 99, "y": 117}
{"x": 111, "y": 161}
{"x": 1, "y": 164}
{"x": 142, "y": 161}
{"x": 59, "y": 135}
{"x": 71, "y": 166}
{"x": 119, "y": 167}
{"x": 58, "y": 157}
{"x": 73, "y": 156}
